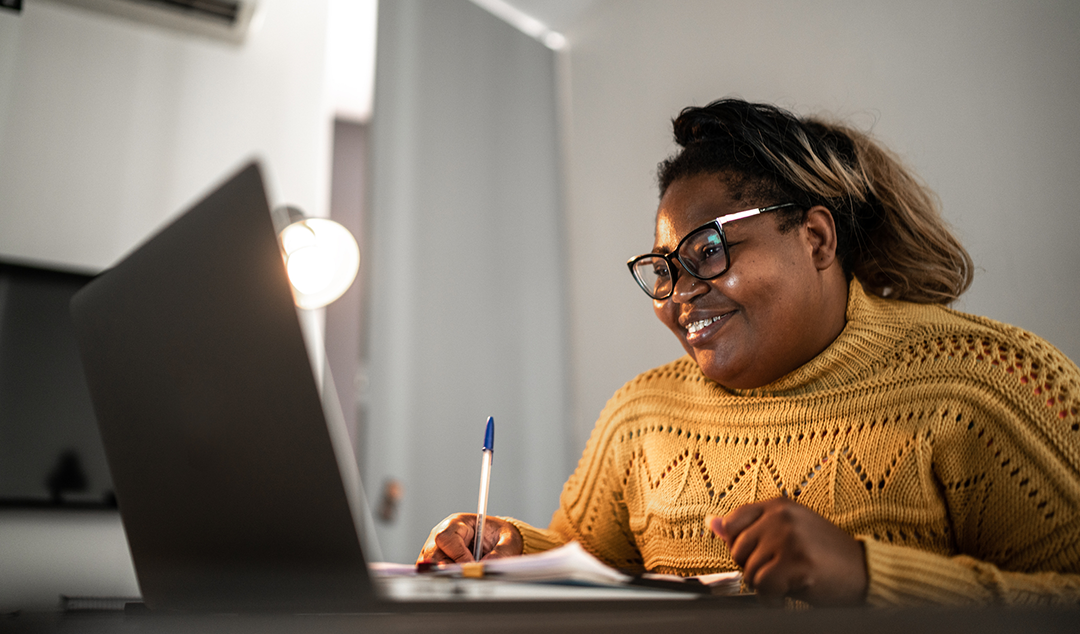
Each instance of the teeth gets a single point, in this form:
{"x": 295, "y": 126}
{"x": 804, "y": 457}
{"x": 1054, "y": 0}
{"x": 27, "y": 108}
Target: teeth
{"x": 698, "y": 325}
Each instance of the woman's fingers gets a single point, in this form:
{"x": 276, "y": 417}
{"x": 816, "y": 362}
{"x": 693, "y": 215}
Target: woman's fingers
{"x": 775, "y": 579}
{"x": 506, "y": 537}
{"x": 745, "y": 543}
{"x": 766, "y": 564}
{"x": 753, "y": 566}
{"x": 715, "y": 523}
{"x": 785, "y": 549}
{"x": 739, "y": 520}
{"x": 455, "y": 540}
{"x": 452, "y": 540}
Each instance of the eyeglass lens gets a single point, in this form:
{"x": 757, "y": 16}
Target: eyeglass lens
{"x": 653, "y": 275}
{"x": 701, "y": 253}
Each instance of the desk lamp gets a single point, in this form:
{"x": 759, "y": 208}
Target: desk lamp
{"x": 321, "y": 257}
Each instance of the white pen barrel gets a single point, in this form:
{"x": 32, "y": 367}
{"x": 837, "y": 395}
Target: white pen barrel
{"x": 481, "y": 505}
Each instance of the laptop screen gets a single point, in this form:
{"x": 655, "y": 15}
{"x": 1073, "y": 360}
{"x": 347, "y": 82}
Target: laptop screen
{"x": 225, "y": 469}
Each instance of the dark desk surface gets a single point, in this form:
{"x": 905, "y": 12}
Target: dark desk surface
{"x": 594, "y": 618}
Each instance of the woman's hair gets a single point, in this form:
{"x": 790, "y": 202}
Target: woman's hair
{"x": 890, "y": 234}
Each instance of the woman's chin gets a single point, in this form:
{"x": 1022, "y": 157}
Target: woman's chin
{"x": 716, "y": 369}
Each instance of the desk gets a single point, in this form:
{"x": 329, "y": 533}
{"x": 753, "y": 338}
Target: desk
{"x": 594, "y": 618}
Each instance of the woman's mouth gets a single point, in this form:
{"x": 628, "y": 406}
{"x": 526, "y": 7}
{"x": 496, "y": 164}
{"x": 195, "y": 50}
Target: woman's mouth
{"x": 702, "y": 328}
{"x": 701, "y": 323}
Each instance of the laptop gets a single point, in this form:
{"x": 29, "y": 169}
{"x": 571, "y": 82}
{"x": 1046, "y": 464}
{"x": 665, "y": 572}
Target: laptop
{"x": 235, "y": 490}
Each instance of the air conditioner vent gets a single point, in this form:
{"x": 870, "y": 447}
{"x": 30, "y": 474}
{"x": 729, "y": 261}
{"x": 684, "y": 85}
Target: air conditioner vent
{"x": 224, "y": 10}
{"x": 227, "y": 20}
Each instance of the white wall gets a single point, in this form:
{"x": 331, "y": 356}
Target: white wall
{"x": 466, "y": 311}
{"x": 47, "y": 553}
{"x": 979, "y": 96}
{"x": 108, "y": 128}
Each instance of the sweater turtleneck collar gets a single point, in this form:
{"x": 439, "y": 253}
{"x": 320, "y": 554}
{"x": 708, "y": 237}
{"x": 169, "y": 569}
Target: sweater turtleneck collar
{"x": 873, "y": 327}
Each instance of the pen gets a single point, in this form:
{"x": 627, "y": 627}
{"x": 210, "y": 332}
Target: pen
{"x": 485, "y": 479}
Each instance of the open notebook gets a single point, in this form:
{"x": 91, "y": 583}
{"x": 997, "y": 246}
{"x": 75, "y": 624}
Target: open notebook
{"x": 567, "y": 565}
{"x": 236, "y": 482}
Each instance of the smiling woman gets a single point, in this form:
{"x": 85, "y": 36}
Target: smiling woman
{"x": 834, "y": 430}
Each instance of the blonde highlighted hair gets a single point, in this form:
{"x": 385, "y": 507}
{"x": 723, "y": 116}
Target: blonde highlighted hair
{"x": 891, "y": 235}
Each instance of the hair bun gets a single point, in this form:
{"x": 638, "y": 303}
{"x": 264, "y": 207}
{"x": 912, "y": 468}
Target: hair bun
{"x": 698, "y": 124}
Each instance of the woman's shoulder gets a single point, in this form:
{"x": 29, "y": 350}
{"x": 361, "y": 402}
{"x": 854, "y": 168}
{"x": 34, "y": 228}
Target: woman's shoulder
{"x": 958, "y": 344}
{"x": 945, "y": 332}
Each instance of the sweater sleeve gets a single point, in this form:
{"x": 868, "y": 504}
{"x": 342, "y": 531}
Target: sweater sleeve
{"x": 591, "y": 509}
{"x": 904, "y": 576}
{"x": 537, "y": 540}
{"x": 1006, "y": 458}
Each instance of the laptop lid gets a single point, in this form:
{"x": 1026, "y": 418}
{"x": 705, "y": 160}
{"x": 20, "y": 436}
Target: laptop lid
{"x": 226, "y": 471}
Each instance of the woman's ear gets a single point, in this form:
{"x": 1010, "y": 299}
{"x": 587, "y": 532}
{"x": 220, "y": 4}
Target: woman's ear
{"x": 820, "y": 231}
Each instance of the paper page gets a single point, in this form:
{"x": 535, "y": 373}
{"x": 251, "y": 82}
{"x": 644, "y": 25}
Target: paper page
{"x": 567, "y": 564}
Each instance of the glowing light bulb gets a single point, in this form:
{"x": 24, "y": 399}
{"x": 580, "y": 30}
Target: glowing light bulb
{"x": 310, "y": 270}
{"x": 321, "y": 258}
{"x": 296, "y": 236}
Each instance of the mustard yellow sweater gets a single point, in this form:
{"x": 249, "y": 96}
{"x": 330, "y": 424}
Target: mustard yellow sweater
{"x": 948, "y": 444}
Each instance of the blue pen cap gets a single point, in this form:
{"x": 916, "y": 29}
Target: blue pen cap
{"x": 489, "y": 435}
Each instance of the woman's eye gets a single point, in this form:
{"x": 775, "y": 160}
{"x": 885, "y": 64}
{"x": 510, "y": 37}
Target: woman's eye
{"x": 710, "y": 251}
{"x": 660, "y": 271}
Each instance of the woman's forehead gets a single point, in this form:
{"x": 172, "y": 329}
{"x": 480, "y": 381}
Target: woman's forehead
{"x": 689, "y": 203}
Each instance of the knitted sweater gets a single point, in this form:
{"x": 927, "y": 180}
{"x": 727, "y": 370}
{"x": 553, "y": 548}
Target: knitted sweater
{"x": 948, "y": 444}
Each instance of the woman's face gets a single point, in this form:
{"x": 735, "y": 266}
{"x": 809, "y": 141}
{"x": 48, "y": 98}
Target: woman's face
{"x": 779, "y": 305}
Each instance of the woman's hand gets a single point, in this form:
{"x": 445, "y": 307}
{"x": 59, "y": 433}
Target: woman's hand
{"x": 452, "y": 539}
{"x": 787, "y": 550}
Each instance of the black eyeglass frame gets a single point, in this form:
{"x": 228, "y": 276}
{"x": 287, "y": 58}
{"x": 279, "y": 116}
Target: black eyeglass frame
{"x": 718, "y": 225}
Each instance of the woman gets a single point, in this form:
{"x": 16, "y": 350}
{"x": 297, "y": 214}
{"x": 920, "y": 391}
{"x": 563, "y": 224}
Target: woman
{"x": 833, "y": 430}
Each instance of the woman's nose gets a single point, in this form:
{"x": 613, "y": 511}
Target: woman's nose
{"x": 687, "y": 287}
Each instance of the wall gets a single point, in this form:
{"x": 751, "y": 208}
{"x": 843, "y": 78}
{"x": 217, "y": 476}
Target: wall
{"x": 48, "y": 553}
{"x": 978, "y": 96}
{"x": 466, "y": 311}
{"x": 344, "y": 329}
{"x": 108, "y": 128}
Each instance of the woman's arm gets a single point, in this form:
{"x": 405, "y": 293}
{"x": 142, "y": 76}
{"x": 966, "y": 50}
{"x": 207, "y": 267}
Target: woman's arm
{"x": 901, "y": 575}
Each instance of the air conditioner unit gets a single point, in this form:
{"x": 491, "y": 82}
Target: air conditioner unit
{"x": 227, "y": 20}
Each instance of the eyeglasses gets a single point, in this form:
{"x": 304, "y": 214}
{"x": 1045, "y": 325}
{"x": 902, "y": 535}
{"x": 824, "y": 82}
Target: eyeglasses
{"x": 703, "y": 253}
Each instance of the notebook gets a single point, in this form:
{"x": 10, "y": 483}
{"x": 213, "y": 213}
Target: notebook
{"x": 238, "y": 489}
